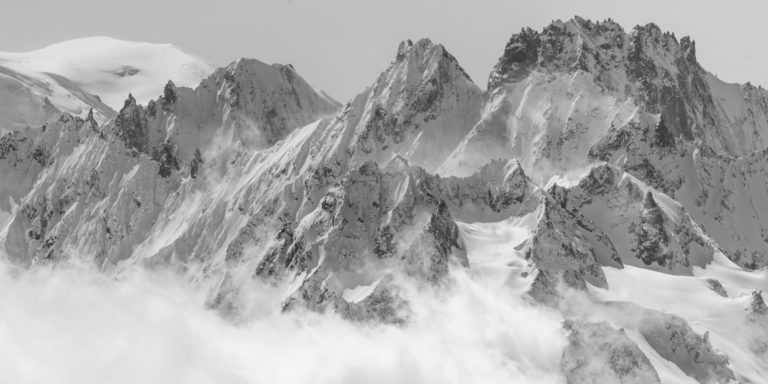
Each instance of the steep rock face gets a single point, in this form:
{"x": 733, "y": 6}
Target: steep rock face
{"x": 757, "y": 324}
{"x": 419, "y": 108}
{"x": 520, "y": 58}
{"x": 558, "y": 92}
{"x": 377, "y": 220}
{"x": 102, "y": 205}
{"x": 663, "y": 238}
{"x": 674, "y": 339}
{"x": 757, "y": 306}
{"x": 358, "y": 223}
{"x": 597, "y": 353}
{"x": 652, "y": 239}
{"x": 724, "y": 194}
{"x": 271, "y": 98}
{"x": 26, "y": 154}
{"x": 248, "y": 105}
{"x": 497, "y": 190}
{"x": 580, "y": 92}
{"x": 131, "y": 126}
{"x": 379, "y": 302}
{"x": 567, "y": 248}
{"x": 648, "y": 65}
{"x": 546, "y": 122}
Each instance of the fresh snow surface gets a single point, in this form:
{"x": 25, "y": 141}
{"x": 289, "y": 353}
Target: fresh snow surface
{"x": 691, "y": 298}
{"x": 110, "y": 68}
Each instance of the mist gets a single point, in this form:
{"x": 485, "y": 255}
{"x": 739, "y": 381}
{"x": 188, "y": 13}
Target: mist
{"x": 70, "y": 323}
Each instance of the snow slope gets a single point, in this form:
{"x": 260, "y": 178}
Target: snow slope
{"x": 110, "y": 68}
{"x": 32, "y": 98}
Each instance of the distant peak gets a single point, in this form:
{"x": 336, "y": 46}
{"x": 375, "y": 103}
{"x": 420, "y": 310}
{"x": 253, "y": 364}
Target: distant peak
{"x": 101, "y": 42}
{"x": 589, "y": 23}
{"x": 650, "y": 28}
{"x": 590, "y": 46}
{"x": 110, "y": 67}
{"x": 247, "y": 63}
{"x": 129, "y": 101}
{"x": 426, "y": 52}
{"x": 408, "y": 47}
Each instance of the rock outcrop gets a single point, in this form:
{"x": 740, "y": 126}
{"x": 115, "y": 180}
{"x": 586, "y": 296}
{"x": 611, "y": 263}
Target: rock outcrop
{"x": 598, "y": 353}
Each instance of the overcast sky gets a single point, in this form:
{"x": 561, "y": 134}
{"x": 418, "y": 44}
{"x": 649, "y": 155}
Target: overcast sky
{"x": 341, "y": 46}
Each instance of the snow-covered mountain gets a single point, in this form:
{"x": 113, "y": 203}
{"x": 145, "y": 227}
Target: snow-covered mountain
{"x": 96, "y": 72}
{"x": 604, "y": 177}
{"x": 33, "y": 99}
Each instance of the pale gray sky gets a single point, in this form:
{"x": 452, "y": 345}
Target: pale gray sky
{"x": 341, "y": 46}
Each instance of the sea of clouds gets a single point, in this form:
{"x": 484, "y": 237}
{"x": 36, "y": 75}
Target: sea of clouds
{"x": 71, "y": 324}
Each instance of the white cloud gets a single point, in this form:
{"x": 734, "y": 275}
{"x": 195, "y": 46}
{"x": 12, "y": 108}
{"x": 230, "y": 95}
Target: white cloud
{"x": 71, "y": 325}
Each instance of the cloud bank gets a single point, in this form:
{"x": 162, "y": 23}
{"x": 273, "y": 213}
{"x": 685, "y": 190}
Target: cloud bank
{"x": 75, "y": 325}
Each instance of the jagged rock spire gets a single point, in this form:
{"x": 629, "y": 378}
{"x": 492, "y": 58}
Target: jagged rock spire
{"x": 757, "y": 305}
{"x": 425, "y": 92}
{"x": 131, "y": 126}
{"x": 651, "y": 237}
{"x": 520, "y": 57}
{"x": 169, "y": 93}
{"x": 129, "y": 101}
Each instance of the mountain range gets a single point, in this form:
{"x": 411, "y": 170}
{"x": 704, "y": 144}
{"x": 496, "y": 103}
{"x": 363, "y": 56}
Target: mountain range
{"x": 602, "y": 174}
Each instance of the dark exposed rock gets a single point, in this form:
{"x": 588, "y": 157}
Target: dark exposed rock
{"x": 597, "y": 353}
{"x": 384, "y": 306}
{"x": 165, "y": 155}
{"x": 383, "y": 126}
{"x": 41, "y": 155}
{"x": 194, "y": 166}
{"x": 520, "y": 57}
{"x": 614, "y": 141}
{"x": 716, "y": 287}
{"x": 757, "y": 306}
{"x": 681, "y": 97}
{"x": 429, "y": 255}
{"x": 126, "y": 71}
{"x": 674, "y": 339}
{"x": 567, "y": 248}
{"x": 599, "y": 180}
{"x": 651, "y": 239}
{"x": 131, "y": 126}
{"x": 662, "y": 137}
{"x": 90, "y": 118}
{"x": 546, "y": 288}
{"x": 9, "y": 144}
{"x": 169, "y": 94}
{"x": 444, "y": 229}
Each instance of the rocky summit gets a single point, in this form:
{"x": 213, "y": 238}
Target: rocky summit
{"x": 603, "y": 179}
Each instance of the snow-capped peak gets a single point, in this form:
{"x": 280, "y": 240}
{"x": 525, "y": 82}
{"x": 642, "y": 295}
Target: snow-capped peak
{"x": 420, "y": 107}
{"x": 112, "y": 68}
{"x": 423, "y": 61}
{"x": 254, "y": 77}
